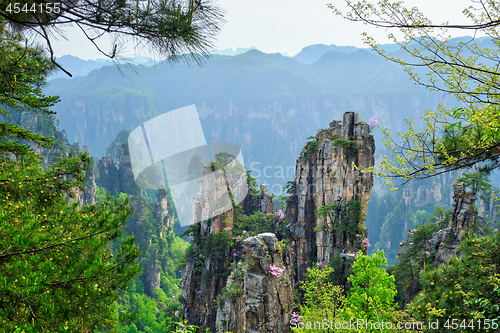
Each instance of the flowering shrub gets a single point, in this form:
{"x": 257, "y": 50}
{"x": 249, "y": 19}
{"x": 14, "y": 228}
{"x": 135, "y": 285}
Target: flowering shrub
{"x": 280, "y": 214}
{"x": 275, "y": 270}
{"x": 365, "y": 242}
{"x": 296, "y": 318}
{"x": 373, "y": 123}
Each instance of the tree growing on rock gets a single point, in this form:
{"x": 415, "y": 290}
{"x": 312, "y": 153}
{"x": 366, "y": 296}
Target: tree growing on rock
{"x": 458, "y": 138}
{"x": 464, "y": 292}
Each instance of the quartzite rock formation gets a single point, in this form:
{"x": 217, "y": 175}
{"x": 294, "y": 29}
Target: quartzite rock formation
{"x": 205, "y": 276}
{"x": 331, "y": 175}
{"x": 251, "y": 299}
{"x": 258, "y": 296}
{"x": 464, "y": 215}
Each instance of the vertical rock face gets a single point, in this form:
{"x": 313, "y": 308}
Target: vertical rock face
{"x": 464, "y": 215}
{"x": 151, "y": 274}
{"x": 161, "y": 212}
{"x": 207, "y": 277}
{"x": 265, "y": 201}
{"x": 258, "y": 294}
{"x": 203, "y": 278}
{"x": 328, "y": 172}
{"x": 205, "y": 274}
{"x": 87, "y": 197}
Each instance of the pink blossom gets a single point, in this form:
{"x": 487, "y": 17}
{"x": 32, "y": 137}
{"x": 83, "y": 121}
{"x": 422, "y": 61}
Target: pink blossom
{"x": 227, "y": 228}
{"x": 373, "y": 123}
{"x": 365, "y": 242}
{"x": 296, "y": 318}
{"x": 280, "y": 214}
{"x": 275, "y": 270}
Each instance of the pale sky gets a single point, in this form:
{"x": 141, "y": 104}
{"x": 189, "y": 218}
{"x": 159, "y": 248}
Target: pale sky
{"x": 284, "y": 26}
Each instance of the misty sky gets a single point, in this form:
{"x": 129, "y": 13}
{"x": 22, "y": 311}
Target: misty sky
{"x": 284, "y": 26}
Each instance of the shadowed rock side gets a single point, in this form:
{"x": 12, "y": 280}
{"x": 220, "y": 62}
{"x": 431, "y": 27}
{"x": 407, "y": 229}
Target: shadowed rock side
{"x": 114, "y": 173}
{"x": 464, "y": 215}
{"x": 328, "y": 172}
{"x": 87, "y": 196}
{"x": 204, "y": 278}
{"x": 265, "y": 201}
{"x": 258, "y": 295}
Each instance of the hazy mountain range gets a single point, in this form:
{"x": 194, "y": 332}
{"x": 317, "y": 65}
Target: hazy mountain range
{"x": 266, "y": 103}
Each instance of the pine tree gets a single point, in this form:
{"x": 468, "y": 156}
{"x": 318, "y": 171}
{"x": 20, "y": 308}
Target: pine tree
{"x": 58, "y": 272}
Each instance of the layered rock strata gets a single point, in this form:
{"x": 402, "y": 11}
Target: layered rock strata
{"x": 207, "y": 274}
{"x": 464, "y": 215}
{"x": 330, "y": 172}
{"x": 258, "y": 295}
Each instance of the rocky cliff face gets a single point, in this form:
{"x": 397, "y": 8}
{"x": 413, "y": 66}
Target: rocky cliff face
{"x": 207, "y": 277}
{"x": 114, "y": 173}
{"x": 258, "y": 294}
{"x": 255, "y": 294}
{"x": 329, "y": 173}
{"x": 87, "y": 196}
{"x": 205, "y": 274}
{"x": 464, "y": 215}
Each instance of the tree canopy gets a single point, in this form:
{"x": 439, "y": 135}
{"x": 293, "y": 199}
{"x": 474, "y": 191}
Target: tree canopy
{"x": 61, "y": 263}
{"x": 457, "y": 138}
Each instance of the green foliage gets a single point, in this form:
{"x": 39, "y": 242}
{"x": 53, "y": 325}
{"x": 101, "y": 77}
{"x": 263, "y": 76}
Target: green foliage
{"x": 311, "y": 148}
{"x": 418, "y": 255}
{"x": 22, "y": 74}
{"x": 373, "y": 290}
{"x": 370, "y": 298}
{"x": 290, "y": 187}
{"x": 259, "y": 222}
{"x": 57, "y": 268}
{"x": 347, "y": 218}
{"x": 232, "y": 291}
{"x": 222, "y": 159}
{"x": 323, "y": 300}
{"x": 342, "y": 269}
{"x": 345, "y": 145}
{"x": 464, "y": 288}
{"x": 452, "y": 139}
{"x": 178, "y": 325}
{"x": 477, "y": 182}
{"x": 57, "y": 265}
{"x": 321, "y": 296}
